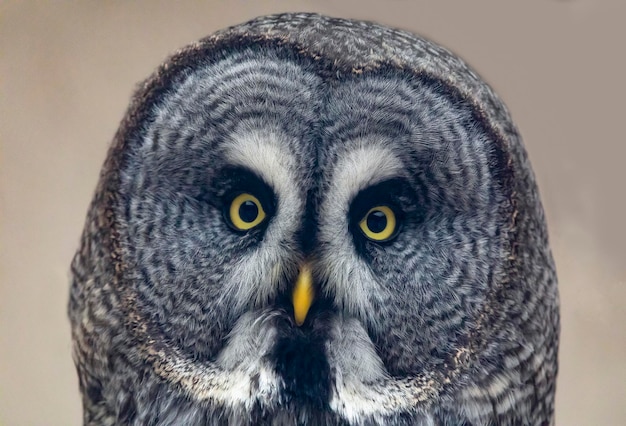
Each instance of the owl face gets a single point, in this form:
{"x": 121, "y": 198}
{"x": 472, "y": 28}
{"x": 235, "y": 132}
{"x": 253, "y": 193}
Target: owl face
{"x": 309, "y": 220}
{"x": 298, "y": 235}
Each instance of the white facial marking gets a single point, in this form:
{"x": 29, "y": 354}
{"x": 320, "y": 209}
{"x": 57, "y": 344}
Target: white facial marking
{"x": 228, "y": 380}
{"x": 351, "y": 282}
{"x": 264, "y": 152}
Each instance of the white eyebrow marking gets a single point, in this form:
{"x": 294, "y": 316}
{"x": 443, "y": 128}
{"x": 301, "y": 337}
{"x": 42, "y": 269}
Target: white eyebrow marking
{"x": 366, "y": 165}
{"x": 264, "y": 152}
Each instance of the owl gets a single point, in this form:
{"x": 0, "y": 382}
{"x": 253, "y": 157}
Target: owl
{"x": 315, "y": 221}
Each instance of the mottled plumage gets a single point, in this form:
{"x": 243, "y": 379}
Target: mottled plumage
{"x": 179, "y": 317}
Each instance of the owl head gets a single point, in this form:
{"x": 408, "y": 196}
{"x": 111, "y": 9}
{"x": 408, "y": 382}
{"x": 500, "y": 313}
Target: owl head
{"x": 312, "y": 220}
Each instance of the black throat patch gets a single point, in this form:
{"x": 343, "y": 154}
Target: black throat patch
{"x": 300, "y": 359}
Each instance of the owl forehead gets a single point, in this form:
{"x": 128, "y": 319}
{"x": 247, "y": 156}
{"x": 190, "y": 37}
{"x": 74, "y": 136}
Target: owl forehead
{"x": 301, "y": 128}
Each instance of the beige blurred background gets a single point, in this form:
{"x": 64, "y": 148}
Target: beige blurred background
{"x": 68, "y": 69}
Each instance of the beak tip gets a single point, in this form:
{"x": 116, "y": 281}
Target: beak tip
{"x": 302, "y": 295}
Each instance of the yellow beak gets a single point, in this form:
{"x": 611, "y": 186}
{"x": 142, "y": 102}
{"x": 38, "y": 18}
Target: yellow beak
{"x": 303, "y": 294}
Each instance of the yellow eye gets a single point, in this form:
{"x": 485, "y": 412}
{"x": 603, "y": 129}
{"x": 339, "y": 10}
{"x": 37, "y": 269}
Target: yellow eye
{"x": 246, "y": 212}
{"x": 379, "y": 224}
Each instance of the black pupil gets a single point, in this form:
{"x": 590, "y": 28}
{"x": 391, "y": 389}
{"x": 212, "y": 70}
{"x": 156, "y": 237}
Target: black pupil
{"x": 248, "y": 211}
{"x": 376, "y": 221}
